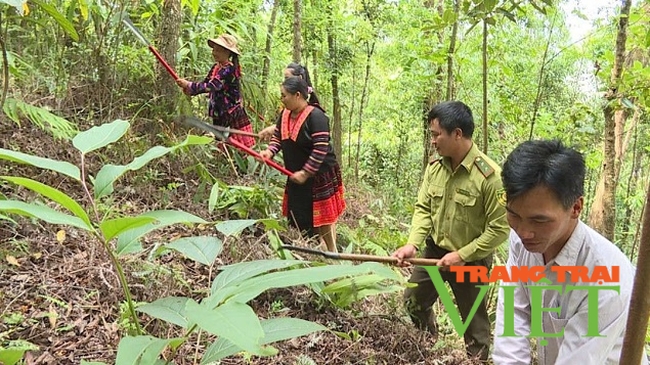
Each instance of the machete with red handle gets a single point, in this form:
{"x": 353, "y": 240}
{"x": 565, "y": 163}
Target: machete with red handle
{"x": 129, "y": 24}
{"x": 198, "y": 123}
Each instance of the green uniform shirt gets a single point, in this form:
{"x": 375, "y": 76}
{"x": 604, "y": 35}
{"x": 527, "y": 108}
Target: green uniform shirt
{"x": 462, "y": 210}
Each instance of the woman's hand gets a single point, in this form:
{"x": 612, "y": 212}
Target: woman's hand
{"x": 185, "y": 85}
{"x": 300, "y": 176}
{"x": 266, "y": 133}
{"x": 265, "y": 155}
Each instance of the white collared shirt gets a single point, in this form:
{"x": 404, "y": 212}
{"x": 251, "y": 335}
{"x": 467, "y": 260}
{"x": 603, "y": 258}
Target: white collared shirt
{"x": 587, "y": 248}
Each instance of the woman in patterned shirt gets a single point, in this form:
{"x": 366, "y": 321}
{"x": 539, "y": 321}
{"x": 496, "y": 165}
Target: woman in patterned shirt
{"x": 313, "y": 198}
{"x": 223, "y": 87}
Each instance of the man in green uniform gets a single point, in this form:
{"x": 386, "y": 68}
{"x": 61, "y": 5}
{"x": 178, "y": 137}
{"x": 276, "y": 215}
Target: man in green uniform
{"x": 459, "y": 218}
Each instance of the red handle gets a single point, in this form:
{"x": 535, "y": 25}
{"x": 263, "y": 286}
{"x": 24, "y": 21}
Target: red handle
{"x": 163, "y": 62}
{"x": 271, "y": 163}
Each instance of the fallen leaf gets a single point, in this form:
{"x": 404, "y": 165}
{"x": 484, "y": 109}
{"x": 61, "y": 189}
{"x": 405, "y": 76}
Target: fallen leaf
{"x": 12, "y": 260}
{"x": 37, "y": 255}
{"x": 53, "y": 316}
{"x": 60, "y": 236}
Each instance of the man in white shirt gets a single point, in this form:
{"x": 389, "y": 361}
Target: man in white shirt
{"x": 544, "y": 184}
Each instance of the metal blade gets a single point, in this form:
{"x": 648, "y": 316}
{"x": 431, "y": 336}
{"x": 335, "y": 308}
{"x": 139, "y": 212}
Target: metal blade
{"x": 195, "y": 122}
{"x": 129, "y": 24}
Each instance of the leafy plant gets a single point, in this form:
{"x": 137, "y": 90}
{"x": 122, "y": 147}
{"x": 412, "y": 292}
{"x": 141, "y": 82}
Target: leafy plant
{"x": 224, "y": 311}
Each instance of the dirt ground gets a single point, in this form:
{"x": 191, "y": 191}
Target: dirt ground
{"x": 64, "y": 296}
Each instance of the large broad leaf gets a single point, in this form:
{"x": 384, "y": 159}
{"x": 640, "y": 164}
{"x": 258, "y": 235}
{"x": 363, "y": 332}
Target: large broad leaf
{"x": 203, "y": 249}
{"x": 41, "y": 212}
{"x": 61, "y": 167}
{"x": 142, "y": 350}
{"x": 113, "y": 227}
{"x": 129, "y": 241}
{"x": 100, "y": 136}
{"x": 64, "y": 23}
{"x": 236, "y": 273}
{"x": 275, "y": 329}
{"x": 18, "y": 110}
{"x": 234, "y": 321}
{"x": 253, "y": 287}
{"x": 109, "y": 173}
{"x": 52, "y": 193}
{"x": 11, "y": 356}
{"x": 170, "y": 309}
{"x": 235, "y": 226}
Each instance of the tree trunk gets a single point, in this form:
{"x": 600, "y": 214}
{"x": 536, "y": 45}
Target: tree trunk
{"x": 435, "y": 93}
{"x": 297, "y": 23}
{"x": 540, "y": 81}
{"x": 268, "y": 45}
{"x": 637, "y": 319}
{"x": 450, "y": 54}
{"x": 485, "y": 79}
{"x": 603, "y": 211}
{"x": 337, "y": 130}
{"x": 354, "y": 84}
{"x": 631, "y": 186}
{"x": 168, "y": 33}
{"x": 370, "y": 49}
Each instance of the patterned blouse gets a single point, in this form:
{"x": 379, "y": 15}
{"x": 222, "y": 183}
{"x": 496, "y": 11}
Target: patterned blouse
{"x": 222, "y": 84}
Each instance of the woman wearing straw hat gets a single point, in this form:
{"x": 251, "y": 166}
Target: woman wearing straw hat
{"x": 223, "y": 87}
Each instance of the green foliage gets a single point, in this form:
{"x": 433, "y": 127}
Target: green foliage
{"x": 59, "y": 127}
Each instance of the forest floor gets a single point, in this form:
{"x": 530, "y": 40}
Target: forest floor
{"x": 63, "y": 296}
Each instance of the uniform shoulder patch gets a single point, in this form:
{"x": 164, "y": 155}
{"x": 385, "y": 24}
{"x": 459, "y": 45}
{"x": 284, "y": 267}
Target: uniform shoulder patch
{"x": 483, "y": 166}
{"x": 502, "y": 197}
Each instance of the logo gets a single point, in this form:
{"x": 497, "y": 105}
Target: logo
{"x": 569, "y": 275}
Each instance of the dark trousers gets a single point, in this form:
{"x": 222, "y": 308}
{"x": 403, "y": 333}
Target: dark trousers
{"x": 419, "y": 300}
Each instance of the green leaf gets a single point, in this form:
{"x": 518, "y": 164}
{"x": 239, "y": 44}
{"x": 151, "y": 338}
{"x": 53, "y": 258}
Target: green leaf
{"x": 128, "y": 242}
{"x": 142, "y": 350}
{"x": 109, "y": 173}
{"x": 234, "y": 226}
{"x": 203, "y": 249}
{"x": 234, "y": 321}
{"x": 17, "y": 110}
{"x": 59, "y": 18}
{"x": 11, "y": 356}
{"x": 61, "y": 167}
{"x": 627, "y": 103}
{"x": 253, "y": 287}
{"x": 214, "y": 196}
{"x": 236, "y": 273}
{"x": 53, "y": 194}
{"x": 41, "y": 212}
{"x": 275, "y": 329}
{"x": 113, "y": 227}
{"x": 169, "y": 309}
{"x": 100, "y": 136}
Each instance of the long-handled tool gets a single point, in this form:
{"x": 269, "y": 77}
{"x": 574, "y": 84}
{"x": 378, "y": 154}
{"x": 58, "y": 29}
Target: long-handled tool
{"x": 195, "y": 120}
{"x": 359, "y": 257}
{"x": 129, "y": 24}
{"x": 198, "y": 123}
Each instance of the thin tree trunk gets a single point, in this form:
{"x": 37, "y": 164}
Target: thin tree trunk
{"x": 337, "y": 131}
{"x": 297, "y": 24}
{"x": 168, "y": 33}
{"x": 370, "y": 49}
{"x": 540, "y": 80}
{"x": 354, "y": 84}
{"x": 450, "y": 55}
{"x": 268, "y": 45}
{"x": 637, "y": 319}
{"x": 485, "y": 79}
{"x": 603, "y": 211}
{"x": 631, "y": 185}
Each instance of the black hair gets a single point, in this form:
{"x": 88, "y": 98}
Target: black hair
{"x": 545, "y": 163}
{"x": 301, "y": 71}
{"x": 295, "y": 84}
{"x": 452, "y": 115}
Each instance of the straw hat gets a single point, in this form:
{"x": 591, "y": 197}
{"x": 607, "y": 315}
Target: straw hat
{"x": 226, "y": 41}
